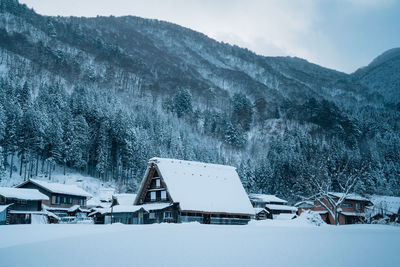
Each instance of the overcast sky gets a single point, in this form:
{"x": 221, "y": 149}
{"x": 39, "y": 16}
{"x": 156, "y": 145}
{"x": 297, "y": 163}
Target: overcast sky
{"x": 339, "y": 34}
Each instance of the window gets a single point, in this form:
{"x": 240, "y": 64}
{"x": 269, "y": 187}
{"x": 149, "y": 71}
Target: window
{"x": 259, "y": 205}
{"x": 152, "y": 215}
{"x": 58, "y": 199}
{"x": 2, "y": 200}
{"x": 64, "y": 199}
{"x": 168, "y": 215}
{"x": 53, "y": 199}
{"x": 152, "y": 196}
{"x": 348, "y": 205}
{"x": 163, "y": 195}
{"x": 81, "y": 202}
{"x": 358, "y": 206}
{"x": 158, "y": 183}
{"x": 70, "y": 200}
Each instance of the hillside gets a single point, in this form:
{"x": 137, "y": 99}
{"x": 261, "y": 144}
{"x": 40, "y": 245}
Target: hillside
{"x": 103, "y": 95}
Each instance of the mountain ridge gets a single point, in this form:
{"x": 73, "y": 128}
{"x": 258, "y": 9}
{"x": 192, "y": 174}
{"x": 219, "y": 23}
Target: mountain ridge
{"x": 129, "y": 88}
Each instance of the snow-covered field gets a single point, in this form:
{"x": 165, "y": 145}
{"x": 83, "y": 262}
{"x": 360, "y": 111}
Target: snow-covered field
{"x": 267, "y": 243}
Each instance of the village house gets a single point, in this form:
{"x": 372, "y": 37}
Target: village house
{"x": 276, "y": 207}
{"x": 119, "y": 210}
{"x": 60, "y": 197}
{"x": 176, "y": 191}
{"x": 351, "y": 211}
{"x": 22, "y": 206}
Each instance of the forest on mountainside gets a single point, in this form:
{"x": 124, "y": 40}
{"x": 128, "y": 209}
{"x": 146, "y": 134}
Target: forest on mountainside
{"x": 103, "y": 95}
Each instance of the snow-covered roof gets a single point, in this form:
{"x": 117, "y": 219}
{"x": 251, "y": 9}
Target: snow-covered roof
{"x": 132, "y": 208}
{"x": 156, "y": 206}
{"x": 45, "y": 207}
{"x": 67, "y": 189}
{"x": 4, "y": 207}
{"x": 280, "y": 207}
{"x": 203, "y": 186}
{"x": 266, "y": 198}
{"x": 385, "y": 204}
{"x": 347, "y": 213}
{"x": 304, "y": 204}
{"x": 125, "y": 199}
{"x": 77, "y": 207}
{"x": 96, "y": 202}
{"x": 258, "y": 210}
{"x": 22, "y": 193}
{"x": 351, "y": 196}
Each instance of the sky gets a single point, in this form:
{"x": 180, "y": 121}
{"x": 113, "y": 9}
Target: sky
{"x": 339, "y": 34}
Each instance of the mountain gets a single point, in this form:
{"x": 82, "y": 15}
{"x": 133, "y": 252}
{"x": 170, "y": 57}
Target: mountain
{"x": 382, "y": 75}
{"x": 103, "y": 95}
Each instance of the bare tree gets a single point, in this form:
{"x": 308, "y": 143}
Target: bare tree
{"x": 322, "y": 182}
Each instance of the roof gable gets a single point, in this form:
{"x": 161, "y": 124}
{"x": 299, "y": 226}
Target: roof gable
{"x": 203, "y": 187}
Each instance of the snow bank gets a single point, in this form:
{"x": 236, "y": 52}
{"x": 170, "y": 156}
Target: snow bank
{"x": 199, "y": 245}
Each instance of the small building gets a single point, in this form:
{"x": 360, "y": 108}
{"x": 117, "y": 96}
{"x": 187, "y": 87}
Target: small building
{"x": 273, "y": 204}
{"x": 60, "y": 197}
{"x": 351, "y": 211}
{"x": 21, "y": 206}
{"x": 384, "y": 207}
{"x": 176, "y": 191}
{"x": 261, "y": 214}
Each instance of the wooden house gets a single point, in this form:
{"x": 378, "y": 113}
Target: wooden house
{"x": 352, "y": 209}
{"x": 21, "y": 206}
{"x": 261, "y": 214}
{"x": 60, "y": 197}
{"x": 274, "y": 205}
{"x": 176, "y": 191}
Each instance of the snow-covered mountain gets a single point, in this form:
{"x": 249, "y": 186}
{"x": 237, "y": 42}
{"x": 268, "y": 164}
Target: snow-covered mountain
{"x": 103, "y": 95}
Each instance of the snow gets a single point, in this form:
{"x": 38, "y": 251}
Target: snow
{"x": 4, "y": 207}
{"x": 61, "y": 188}
{"x": 304, "y": 204}
{"x": 348, "y": 213}
{"x": 284, "y": 216}
{"x": 266, "y": 198}
{"x": 351, "y": 196}
{"x": 258, "y": 210}
{"x": 385, "y": 204}
{"x": 125, "y": 199}
{"x": 77, "y": 207}
{"x": 280, "y": 207}
{"x": 204, "y": 187}
{"x": 131, "y": 208}
{"x": 22, "y": 193}
{"x": 281, "y": 243}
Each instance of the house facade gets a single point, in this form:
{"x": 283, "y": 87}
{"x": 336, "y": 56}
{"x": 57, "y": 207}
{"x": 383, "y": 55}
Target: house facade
{"x": 60, "y": 197}
{"x": 21, "y": 206}
{"x": 351, "y": 211}
{"x": 185, "y": 191}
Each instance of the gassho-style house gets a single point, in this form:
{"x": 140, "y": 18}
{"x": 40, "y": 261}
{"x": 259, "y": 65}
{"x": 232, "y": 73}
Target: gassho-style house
{"x": 185, "y": 191}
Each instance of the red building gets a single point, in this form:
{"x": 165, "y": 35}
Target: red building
{"x": 350, "y": 211}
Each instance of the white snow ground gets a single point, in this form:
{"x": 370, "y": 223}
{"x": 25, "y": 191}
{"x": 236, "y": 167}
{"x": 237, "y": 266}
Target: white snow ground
{"x": 261, "y": 243}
